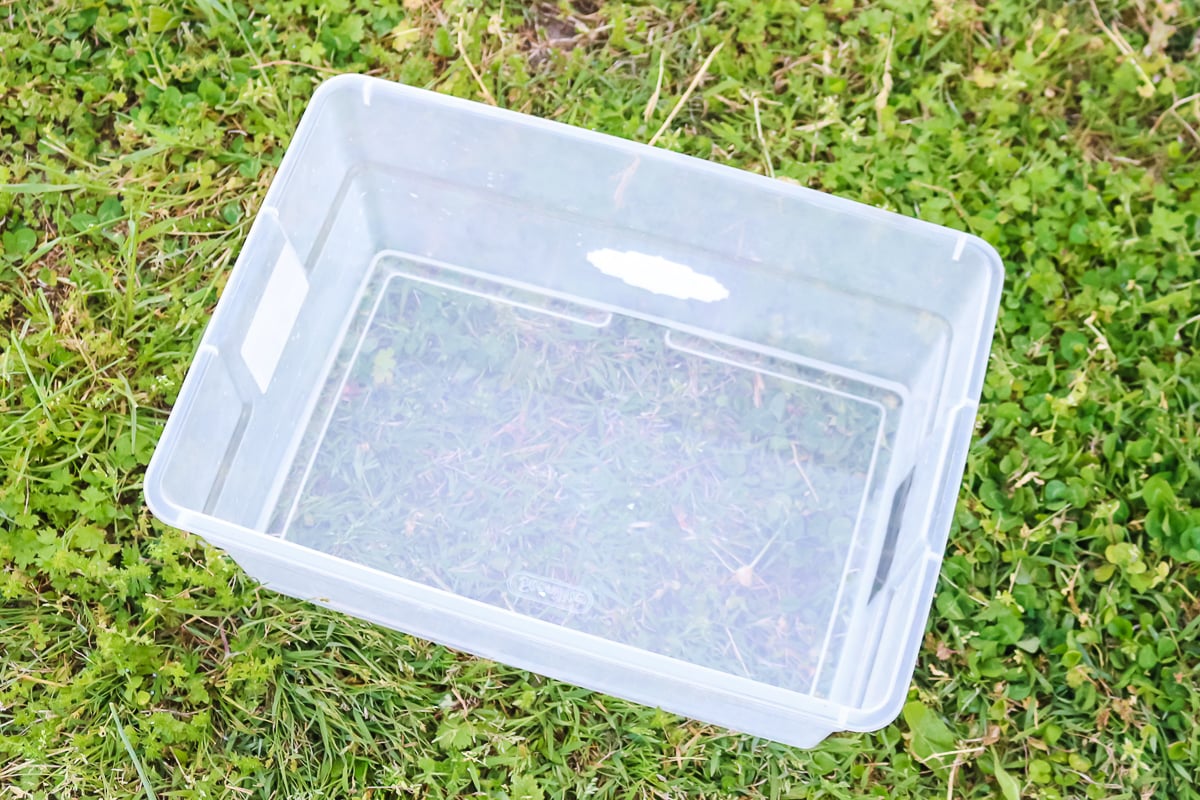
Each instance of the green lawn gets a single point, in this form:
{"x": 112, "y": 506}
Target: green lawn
{"x": 1061, "y": 658}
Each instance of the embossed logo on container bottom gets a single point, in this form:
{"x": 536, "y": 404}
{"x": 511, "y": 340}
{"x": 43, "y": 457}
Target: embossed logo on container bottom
{"x": 549, "y": 592}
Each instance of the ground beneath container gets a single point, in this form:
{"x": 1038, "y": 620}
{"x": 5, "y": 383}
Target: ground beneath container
{"x": 598, "y": 471}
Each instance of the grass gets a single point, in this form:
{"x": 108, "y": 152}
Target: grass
{"x": 696, "y": 473}
{"x": 1061, "y": 657}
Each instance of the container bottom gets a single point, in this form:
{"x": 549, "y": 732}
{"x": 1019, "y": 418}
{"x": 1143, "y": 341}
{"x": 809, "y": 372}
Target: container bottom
{"x": 680, "y": 493}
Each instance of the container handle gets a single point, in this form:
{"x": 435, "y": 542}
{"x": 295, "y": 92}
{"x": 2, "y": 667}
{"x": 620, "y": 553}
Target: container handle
{"x": 266, "y": 304}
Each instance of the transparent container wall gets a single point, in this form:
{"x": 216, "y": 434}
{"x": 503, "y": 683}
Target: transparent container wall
{"x": 879, "y": 293}
{"x": 266, "y": 354}
{"x": 628, "y": 394}
{"x": 596, "y": 470}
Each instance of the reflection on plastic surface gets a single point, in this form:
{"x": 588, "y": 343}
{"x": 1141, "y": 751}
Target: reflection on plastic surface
{"x": 657, "y": 274}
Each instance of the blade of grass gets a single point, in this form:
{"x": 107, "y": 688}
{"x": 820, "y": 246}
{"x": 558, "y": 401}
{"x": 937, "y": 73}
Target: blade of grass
{"x": 691, "y": 87}
{"x": 133, "y": 756}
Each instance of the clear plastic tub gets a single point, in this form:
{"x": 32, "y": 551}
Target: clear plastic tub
{"x": 654, "y": 426}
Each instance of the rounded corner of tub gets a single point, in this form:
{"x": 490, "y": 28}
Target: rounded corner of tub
{"x": 358, "y": 89}
{"x": 869, "y": 719}
{"x": 340, "y": 92}
{"x": 345, "y": 82}
{"x": 807, "y": 739}
{"x": 161, "y": 506}
{"x": 987, "y": 255}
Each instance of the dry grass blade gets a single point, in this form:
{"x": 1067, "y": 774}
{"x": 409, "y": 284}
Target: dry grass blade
{"x": 462, "y": 52}
{"x": 652, "y": 103}
{"x": 691, "y": 87}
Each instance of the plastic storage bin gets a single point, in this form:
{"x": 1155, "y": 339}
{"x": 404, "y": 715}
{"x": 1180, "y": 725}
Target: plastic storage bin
{"x": 657, "y": 427}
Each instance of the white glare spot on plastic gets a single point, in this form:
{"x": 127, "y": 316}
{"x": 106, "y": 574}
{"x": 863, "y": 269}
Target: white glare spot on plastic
{"x": 959, "y": 246}
{"x": 276, "y": 315}
{"x": 657, "y": 274}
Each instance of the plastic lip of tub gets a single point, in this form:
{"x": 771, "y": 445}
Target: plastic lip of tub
{"x": 654, "y": 426}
